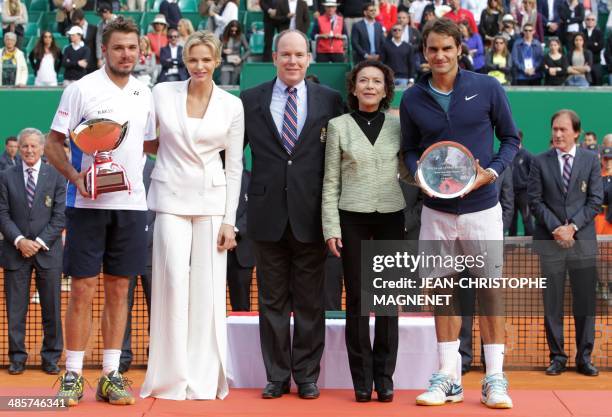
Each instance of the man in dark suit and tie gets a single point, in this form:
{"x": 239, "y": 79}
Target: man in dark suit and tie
{"x": 89, "y": 37}
{"x": 285, "y": 123}
{"x": 10, "y": 158}
{"x": 367, "y": 36}
{"x": 241, "y": 261}
{"x": 271, "y": 25}
{"x": 32, "y": 204}
{"x": 145, "y": 280}
{"x": 171, "y": 60}
{"x": 566, "y": 192}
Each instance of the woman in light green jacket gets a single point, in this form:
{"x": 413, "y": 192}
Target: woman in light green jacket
{"x": 362, "y": 200}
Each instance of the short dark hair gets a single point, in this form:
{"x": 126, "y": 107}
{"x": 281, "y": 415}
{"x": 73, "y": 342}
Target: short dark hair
{"x": 366, "y": 6}
{"x": 77, "y": 16}
{"x": 575, "y": 119}
{"x": 104, "y": 7}
{"x": 528, "y": 24}
{"x": 10, "y": 139}
{"x": 442, "y": 27}
{"x": 122, "y": 25}
{"x": 352, "y": 101}
{"x": 590, "y": 133}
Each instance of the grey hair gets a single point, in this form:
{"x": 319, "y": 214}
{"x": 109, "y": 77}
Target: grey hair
{"x": 288, "y": 31}
{"x": 10, "y": 35}
{"x": 28, "y": 131}
{"x": 203, "y": 37}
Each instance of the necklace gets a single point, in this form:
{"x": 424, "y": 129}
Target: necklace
{"x": 369, "y": 121}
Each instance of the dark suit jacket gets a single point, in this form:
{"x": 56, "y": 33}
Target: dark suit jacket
{"x": 302, "y": 18}
{"x": 90, "y": 40}
{"x": 552, "y": 208}
{"x": 244, "y": 250}
{"x": 361, "y": 42}
{"x": 287, "y": 188}
{"x": 44, "y": 220}
{"x": 594, "y": 43}
{"x": 166, "y": 61}
{"x": 6, "y": 162}
{"x": 505, "y": 193}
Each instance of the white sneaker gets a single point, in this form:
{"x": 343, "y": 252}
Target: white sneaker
{"x": 495, "y": 392}
{"x": 441, "y": 390}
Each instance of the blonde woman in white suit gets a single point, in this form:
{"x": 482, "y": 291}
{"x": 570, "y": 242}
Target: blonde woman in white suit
{"x": 195, "y": 201}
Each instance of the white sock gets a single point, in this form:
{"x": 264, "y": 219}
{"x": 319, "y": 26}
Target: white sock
{"x": 447, "y": 353}
{"x": 110, "y": 360}
{"x": 494, "y": 359}
{"x": 74, "y": 361}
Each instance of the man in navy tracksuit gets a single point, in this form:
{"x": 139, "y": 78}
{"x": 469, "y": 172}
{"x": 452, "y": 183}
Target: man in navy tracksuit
{"x": 468, "y": 108}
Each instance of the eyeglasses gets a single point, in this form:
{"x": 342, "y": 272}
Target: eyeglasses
{"x": 527, "y": 30}
{"x": 499, "y": 43}
{"x": 590, "y": 18}
{"x": 397, "y": 30}
{"x": 172, "y": 36}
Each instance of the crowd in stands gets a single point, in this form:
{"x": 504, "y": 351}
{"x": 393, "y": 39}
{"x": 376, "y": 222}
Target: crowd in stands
{"x": 519, "y": 42}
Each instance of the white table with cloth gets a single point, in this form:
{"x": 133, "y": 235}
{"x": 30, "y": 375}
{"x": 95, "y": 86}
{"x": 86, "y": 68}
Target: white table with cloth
{"x": 417, "y": 355}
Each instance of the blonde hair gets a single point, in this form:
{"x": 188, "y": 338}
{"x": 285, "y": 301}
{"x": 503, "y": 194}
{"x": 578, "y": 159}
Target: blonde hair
{"x": 14, "y": 7}
{"x": 188, "y": 25}
{"x": 202, "y": 37}
{"x": 148, "y": 42}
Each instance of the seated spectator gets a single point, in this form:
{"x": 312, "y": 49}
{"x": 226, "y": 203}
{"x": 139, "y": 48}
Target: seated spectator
{"x": 410, "y": 34}
{"x": 571, "y": 16}
{"x": 428, "y": 14}
{"x": 509, "y": 30}
{"x": 13, "y": 66}
{"x": 474, "y": 44}
{"x": 580, "y": 62}
{"x": 531, "y": 15}
{"x": 253, "y": 6}
{"x": 329, "y": 31}
{"x": 90, "y": 33}
{"x": 171, "y": 59}
{"x": 158, "y": 37}
{"x": 555, "y": 63}
{"x": 490, "y": 21}
{"x": 46, "y": 60}
{"x": 367, "y": 36}
{"x": 527, "y": 59}
{"x": 399, "y": 56}
{"x": 608, "y": 57}
{"x": 387, "y": 14}
{"x": 458, "y": 14}
{"x": 234, "y": 51}
{"x": 105, "y": 11}
{"x": 14, "y": 19}
{"x": 185, "y": 28}
{"x": 595, "y": 43}
{"x": 137, "y": 5}
{"x": 465, "y": 60}
{"x": 75, "y": 56}
{"x": 498, "y": 62}
{"x": 170, "y": 9}
{"x": 416, "y": 11}
{"x": 227, "y": 13}
{"x": 146, "y": 65}
{"x": 63, "y": 13}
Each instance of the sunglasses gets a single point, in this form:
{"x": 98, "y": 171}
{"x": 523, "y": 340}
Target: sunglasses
{"x": 527, "y": 30}
{"x": 172, "y": 37}
{"x": 397, "y": 30}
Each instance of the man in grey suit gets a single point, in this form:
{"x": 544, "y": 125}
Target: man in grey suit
{"x": 566, "y": 192}
{"x": 32, "y": 204}
{"x": 9, "y": 158}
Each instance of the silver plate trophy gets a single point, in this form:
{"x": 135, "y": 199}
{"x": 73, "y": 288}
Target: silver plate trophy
{"x": 98, "y": 138}
{"x": 447, "y": 169}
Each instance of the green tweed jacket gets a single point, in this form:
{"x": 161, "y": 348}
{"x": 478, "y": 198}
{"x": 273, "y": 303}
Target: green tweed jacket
{"x": 359, "y": 176}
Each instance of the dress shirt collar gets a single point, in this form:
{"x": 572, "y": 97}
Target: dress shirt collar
{"x": 26, "y": 166}
{"x": 281, "y": 87}
{"x": 572, "y": 152}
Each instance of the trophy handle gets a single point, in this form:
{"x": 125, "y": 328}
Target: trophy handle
{"x": 122, "y": 135}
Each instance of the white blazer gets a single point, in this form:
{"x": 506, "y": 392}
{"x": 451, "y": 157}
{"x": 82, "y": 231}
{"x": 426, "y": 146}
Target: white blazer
{"x": 188, "y": 178}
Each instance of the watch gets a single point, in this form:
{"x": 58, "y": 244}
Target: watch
{"x": 574, "y": 226}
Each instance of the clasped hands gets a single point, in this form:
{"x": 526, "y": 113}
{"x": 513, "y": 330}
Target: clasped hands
{"x": 28, "y": 248}
{"x": 564, "y": 235}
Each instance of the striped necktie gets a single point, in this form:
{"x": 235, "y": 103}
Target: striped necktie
{"x": 290, "y": 121}
{"x": 567, "y": 171}
{"x": 30, "y": 187}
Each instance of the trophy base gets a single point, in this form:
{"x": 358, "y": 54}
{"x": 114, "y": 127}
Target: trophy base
{"x": 108, "y": 182}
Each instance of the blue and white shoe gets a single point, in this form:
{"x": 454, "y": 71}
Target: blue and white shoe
{"x": 442, "y": 389}
{"x": 495, "y": 392}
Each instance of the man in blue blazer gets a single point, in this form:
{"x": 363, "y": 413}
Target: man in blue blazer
{"x": 566, "y": 192}
{"x": 171, "y": 60}
{"x": 32, "y": 204}
{"x": 367, "y": 36}
{"x": 10, "y": 157}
